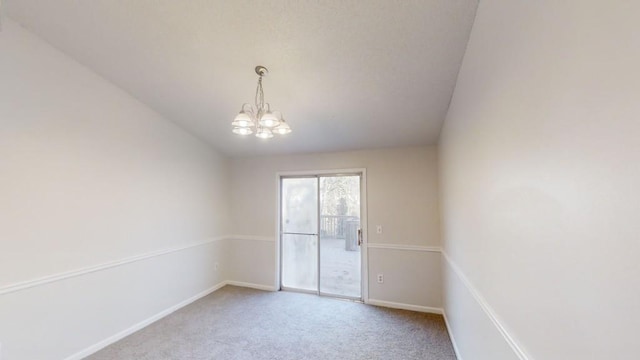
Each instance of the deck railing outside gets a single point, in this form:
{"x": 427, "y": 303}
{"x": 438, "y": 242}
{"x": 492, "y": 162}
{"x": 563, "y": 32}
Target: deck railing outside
{"x": 335, "y": 226}
{"x": 340, "y": 227}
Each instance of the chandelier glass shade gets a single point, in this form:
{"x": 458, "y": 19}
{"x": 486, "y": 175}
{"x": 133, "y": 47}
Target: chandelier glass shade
{"x": 260, "y": 120}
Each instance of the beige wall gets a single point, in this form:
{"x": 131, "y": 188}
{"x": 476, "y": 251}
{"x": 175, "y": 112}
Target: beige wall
{"x": 401, "y": 196}
{"x": 539, "y": 171}
{"x": 89, "y": 176}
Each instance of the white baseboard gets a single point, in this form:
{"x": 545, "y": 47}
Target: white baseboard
{"x": 395, "y": 305}
{"x": 453, "y": 340}
{"x": 126, "y": 332}
{"x": 112, "y": 339}
{"x": 251, "y": 285}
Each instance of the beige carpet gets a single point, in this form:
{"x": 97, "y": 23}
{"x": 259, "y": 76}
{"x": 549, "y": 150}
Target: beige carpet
{"x": 239, "y": 323}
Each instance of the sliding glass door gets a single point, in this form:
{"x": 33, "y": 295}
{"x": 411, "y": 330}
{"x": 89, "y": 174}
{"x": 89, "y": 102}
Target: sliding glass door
{"x": 321, "y": 235}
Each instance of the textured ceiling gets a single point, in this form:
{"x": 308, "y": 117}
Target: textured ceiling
{"x": 345, "y": 74}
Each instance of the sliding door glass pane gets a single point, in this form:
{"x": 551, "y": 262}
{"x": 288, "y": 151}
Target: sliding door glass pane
{"x": 300, "y": 261}
{"x": 300, "y": 205}
{"x": 340, "y": 256}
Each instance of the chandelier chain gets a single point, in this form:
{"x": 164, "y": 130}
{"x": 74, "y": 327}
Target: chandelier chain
{"x": 259, "y": 100}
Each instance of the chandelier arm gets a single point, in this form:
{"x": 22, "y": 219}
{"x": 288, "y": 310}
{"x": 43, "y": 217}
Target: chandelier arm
{"x": 246, "y": 107}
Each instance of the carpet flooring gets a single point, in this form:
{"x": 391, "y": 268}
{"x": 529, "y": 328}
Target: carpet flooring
{"x": 240, "y": 323}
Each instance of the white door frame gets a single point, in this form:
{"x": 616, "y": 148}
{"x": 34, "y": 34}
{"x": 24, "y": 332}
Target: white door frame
{"x": 364, "y": 263}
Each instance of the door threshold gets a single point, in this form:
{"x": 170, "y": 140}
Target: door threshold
{"x": 316, "y": 293}
{"x": 341, "y": 297}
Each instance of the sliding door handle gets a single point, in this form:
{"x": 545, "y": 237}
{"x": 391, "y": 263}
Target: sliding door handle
{"x": 359, "y": 237}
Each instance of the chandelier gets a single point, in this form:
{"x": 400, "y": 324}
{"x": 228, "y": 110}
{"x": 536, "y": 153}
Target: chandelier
{"x": 260, "y": 120}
